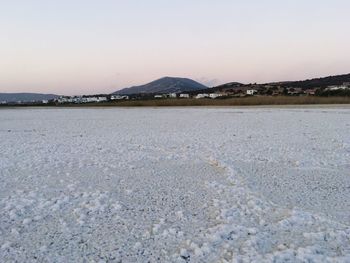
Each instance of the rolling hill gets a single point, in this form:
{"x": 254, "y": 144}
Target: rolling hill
{"x": 304, "y": 84}
{"x": 316, "y": 82}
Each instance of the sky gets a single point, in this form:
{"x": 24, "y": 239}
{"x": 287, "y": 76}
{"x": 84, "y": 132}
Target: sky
{"x": 74, "y": 47}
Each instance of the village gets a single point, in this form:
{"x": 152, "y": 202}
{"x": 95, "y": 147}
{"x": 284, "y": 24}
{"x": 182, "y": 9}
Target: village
{"x": 233, "y": 90}
{"x": 212, "y": 93}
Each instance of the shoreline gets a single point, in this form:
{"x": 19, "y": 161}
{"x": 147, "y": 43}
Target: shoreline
{"x": 281, "y": 106}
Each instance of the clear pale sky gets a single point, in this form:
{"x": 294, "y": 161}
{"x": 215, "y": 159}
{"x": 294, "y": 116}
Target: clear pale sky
{"x": 99, "y": 46}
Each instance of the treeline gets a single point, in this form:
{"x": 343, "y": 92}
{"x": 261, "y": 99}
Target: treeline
{"x": 333, "y": 93}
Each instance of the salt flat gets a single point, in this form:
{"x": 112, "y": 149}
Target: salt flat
{"x": 175, "y": 185}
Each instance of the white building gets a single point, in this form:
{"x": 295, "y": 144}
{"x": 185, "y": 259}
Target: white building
{"x": 90, "y": 99}
{"x": 80, "y": 99}
{"x": 101, "y": 99}
{"x": 185, "y": 95}
{"x": 44, "y": 101}
{"x": 77, "y": 99}
{"x": 251, "y": 91}
{"x": 158, "y": 96}
{"x": 172, "y": 95}
{"x": 119, "y": 97}
{"x": 202, "y": 96}
{"x": 342, "y": 87}
{"x": 214, "y": 95}
{"x": 62, "y": 99}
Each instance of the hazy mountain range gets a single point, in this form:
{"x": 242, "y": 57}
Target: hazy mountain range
{"x": 178, "y": 85}
{"x": 26, "y": 97}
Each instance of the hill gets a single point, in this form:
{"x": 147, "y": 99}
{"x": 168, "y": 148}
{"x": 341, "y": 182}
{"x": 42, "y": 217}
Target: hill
{"x": 164, "y": 85}
{"x": 317, "y": 82}
{"x": 304, "y": 84}
{"x": 26, "y": 97}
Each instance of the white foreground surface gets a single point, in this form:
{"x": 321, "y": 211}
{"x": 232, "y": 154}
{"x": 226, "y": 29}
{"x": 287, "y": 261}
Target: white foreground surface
{"x": 175, "y": 185}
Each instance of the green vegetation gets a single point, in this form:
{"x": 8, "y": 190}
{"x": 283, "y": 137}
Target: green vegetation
{"x": 336, "y": 93}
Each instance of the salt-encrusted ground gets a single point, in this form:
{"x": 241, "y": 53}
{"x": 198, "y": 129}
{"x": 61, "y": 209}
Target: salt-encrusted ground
{"x": 175, "y": 185}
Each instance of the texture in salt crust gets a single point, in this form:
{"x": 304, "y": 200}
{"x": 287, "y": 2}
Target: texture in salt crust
{"x": 175, "y": 185}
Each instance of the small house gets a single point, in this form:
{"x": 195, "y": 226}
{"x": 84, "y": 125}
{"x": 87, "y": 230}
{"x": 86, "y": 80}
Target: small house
{"x": 202, "y": 96}
{"x": 214, "y": 95}
{"x": 251, "y": 91}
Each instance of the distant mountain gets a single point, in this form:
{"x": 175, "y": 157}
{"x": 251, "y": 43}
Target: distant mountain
{"x": 164, "y": 85}
{"x": 317, "y": 82}
{"x": 26, "y": 97}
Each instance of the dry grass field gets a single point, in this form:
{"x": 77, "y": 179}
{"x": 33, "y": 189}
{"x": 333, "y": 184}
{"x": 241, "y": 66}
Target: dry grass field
{"x": 243, "y": 101}
{"x": 247, "y": 101}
